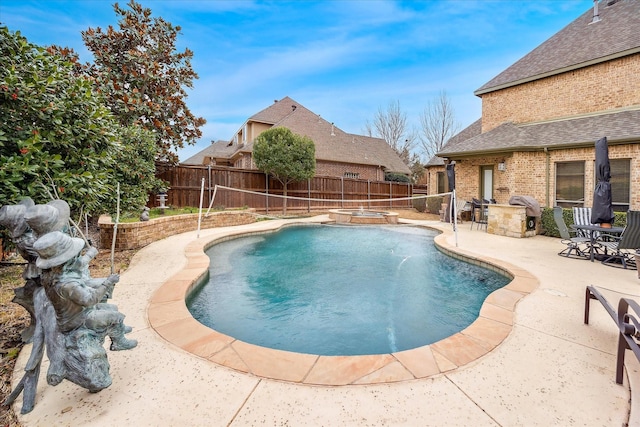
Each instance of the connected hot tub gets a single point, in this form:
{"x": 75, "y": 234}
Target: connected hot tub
{"x": 363, "y": 216}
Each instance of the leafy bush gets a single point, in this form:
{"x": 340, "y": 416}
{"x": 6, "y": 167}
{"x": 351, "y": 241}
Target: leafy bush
{"x": 396, "y": 177}
{"x": 550, "y": 229}
{"x": 59, "y": 139}
{"x": 434, "y": 204}
{"x": 419, "y": 204}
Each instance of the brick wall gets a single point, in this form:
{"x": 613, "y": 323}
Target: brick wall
{"x": 371, "y": 173}
{"x": 610, "y": 85}
{"x": 533, "y": 174}
{"x": 135, "y": 235}
{"x": 431, "y": 178}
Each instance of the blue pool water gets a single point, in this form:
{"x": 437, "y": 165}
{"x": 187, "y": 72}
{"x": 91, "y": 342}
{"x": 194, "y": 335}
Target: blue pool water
{"x": 332, "y": 290}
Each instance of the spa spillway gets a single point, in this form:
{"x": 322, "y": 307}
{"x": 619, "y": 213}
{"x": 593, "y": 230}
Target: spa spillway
{"x": 363, "y": 216}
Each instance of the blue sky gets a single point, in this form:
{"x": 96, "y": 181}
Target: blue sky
{"x": 342, "y": 59}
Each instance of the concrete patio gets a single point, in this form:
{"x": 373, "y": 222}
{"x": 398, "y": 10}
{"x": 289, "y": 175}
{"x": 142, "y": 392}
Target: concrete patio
{"x": 551, "y": 369}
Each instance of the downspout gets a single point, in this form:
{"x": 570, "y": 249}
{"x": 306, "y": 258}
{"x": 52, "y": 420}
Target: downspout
{"x": 547, "y": 175}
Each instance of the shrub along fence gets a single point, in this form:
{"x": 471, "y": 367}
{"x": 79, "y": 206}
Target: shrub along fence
{"x": 185, "y": 183}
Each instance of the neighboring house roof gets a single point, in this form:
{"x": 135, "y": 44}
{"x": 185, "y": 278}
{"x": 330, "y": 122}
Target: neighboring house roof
{"x": 276, "y": 111}
{"x": 618, "y": 126}
{"x": 331, "y": 143}
{"x": 218, "y": 149}
{"x": 579, "y": 44}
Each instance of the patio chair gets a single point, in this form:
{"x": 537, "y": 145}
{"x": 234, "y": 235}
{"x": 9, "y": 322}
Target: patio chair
{"x": 576, "y": 244}
{"x": 582, "y": 216}
{"x": 628, "y": 324}
{"x": 479, "y": 213}
{"x": 622, "y": 247}
{"x": 462, "y": 207}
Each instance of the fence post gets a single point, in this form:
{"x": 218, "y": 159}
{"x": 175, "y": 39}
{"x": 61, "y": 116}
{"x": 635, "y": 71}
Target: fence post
{"x": 267, "y": 190}
{"x": 368, "y": 194}
{"x": 309, "y": 195}
{"x": 342, "y": 192}
{"x": 209, "y": 167}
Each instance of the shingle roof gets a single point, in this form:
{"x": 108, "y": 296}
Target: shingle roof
{"x": 470, "y": 131}
{"x": 275, "y": 112}
{"x": 332, "y": 143}
{"x": 619, "y": 126}
{"x": 579, "y": 44}
{"x": 435, "y": 161}
{"x": 218, "y": 149}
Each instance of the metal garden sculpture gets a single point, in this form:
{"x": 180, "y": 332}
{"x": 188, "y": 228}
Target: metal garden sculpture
{"x": 70, "y": 317}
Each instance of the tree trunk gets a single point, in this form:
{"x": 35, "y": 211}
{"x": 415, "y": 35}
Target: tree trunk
{"x": 284, "y": 201}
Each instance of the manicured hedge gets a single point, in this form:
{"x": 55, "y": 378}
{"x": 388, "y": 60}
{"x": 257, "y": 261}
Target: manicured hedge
{"x": 549, "y": 224}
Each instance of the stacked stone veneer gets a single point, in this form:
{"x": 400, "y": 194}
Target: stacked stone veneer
{"x": 510, "y": 221}
{"x": 135, "y": 235}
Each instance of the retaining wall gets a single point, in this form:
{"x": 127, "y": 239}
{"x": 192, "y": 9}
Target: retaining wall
{"x": 135, "y": 235}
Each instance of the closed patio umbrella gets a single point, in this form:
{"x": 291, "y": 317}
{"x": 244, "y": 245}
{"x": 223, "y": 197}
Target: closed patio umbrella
{"x": 602, "y": 210}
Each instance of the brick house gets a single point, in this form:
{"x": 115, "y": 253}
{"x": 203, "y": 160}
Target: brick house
{"x": 542, "y": 116}
{"x": 338, "y": 153}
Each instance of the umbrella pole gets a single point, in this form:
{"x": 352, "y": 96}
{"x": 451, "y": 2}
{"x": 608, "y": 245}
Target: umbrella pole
{"x": 455, "y": 215}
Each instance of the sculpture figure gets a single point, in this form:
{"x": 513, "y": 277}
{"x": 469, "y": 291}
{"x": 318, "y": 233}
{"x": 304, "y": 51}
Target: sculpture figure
{"x": 71, "y": 315}
{"x": 75, "y": 300}
{"x": 144, "y": 216}
{"x": 13, "y": 218}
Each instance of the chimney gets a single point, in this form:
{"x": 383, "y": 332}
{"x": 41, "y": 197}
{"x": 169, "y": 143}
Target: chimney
{"x": 596, "y": 16}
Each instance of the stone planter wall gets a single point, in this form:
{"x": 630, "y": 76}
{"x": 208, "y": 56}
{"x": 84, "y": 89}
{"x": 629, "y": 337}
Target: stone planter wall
{"x": 135, "y": 235}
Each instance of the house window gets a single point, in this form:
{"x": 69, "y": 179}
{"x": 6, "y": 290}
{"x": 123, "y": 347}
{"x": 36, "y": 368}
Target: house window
{"x": 620, "y": 184}
{"x": 440, "y": 182}
{"x": 570, "y": 184}
{"x": 351, "y": 175}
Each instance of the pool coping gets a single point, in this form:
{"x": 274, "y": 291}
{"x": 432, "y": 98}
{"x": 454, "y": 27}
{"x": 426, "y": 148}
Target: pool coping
{"x": 169, "y": 316}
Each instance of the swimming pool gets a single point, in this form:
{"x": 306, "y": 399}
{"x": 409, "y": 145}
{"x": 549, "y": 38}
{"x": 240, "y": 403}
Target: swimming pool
{"x": 331, "y": 290}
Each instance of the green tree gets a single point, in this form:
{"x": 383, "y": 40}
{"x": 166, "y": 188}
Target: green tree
{"x": 286, "y": 156}
{"x": 134, "y": 169}
{"x": 58, "y": 138}
{"x": 144, "y": 78}
{"x": 56, "y": 134}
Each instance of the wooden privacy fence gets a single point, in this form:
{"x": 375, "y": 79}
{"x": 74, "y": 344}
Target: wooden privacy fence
{"x": 185, "y": 183}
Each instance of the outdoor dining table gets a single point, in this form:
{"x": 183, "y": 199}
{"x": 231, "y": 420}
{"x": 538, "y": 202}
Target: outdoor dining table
{"x": 592, "y": 229}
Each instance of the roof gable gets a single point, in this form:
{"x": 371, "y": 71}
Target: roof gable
{"x": 579, "y": 44}
{"x": 276, "y": 111}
